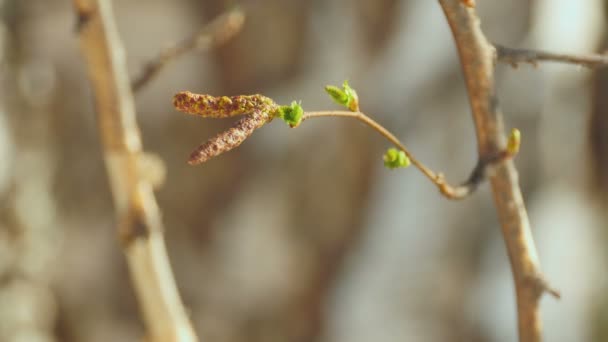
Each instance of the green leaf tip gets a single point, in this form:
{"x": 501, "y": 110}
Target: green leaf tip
{"x": 393, "y": 159}
{"x": 291, "y": 114}
{"x": 514, "y": 141}
{"x": 346, "y": 96}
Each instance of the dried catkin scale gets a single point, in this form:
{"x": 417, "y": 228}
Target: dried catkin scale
{"x": 230, "y": 138}
{"x": 220, "y": 107}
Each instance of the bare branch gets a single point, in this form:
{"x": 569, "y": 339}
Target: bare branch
{"x": 214, "y": 34}
{"x": 516, "y": 56}
{"x": 140, "y": 225}
{"x": 477, "y": 57}
{"x": 449, "y": 191}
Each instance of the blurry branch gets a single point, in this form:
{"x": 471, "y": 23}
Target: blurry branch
{"x": 516, "y": 56}
{"x": 449, "y": 191}
{"x": 31, "y": 232}
{"x": 140, "y": 225}
{"x": 598, "y": 135}
{"x": 477, "y": 57}
{"x": 214, "y": 34}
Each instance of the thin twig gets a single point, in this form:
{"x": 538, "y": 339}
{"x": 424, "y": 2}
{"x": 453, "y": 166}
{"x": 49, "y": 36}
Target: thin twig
{"x": 449, "y": 191}
{"x": 140, "y": 225}
{"x": 515, "y": 56}
{"x": 477, "y": 57}
{"x": 214, "y": 34}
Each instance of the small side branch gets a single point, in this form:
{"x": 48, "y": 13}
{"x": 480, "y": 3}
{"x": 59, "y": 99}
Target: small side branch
{"x": 140, "y": 224}
{"x": 449, "y": 191}
{"x": 516, "y": 56}
{"x": 544, "y": 286}
{"x": 214, "y": 34}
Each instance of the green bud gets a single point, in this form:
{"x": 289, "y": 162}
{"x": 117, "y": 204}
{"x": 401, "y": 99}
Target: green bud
{"x": 514, "y": 141}
{"x": 337, "y": 95}
{"x": 353, "y": 98}
{"x": 291, "y": 114}
{"x": 394, "y": 159}
{"x": 346, "y": 96}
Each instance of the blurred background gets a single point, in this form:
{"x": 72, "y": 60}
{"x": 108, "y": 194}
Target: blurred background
{"x": 302, "y": 235}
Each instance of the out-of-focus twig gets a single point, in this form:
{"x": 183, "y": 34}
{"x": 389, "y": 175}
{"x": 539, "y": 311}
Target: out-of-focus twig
{"x": 598, "y": 134}
{"x": 516, "y": 56}
{"x": 477, "y": 57}
{"x": 216, "y": 33}
{"x": 140, "y": 226}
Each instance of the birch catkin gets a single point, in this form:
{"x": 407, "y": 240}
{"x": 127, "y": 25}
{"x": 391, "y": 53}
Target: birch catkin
{"x": 231, "y": 138}
{"x": 221, "y": 107}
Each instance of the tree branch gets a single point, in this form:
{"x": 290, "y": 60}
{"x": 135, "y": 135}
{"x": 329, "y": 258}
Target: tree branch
{"x": 516, "y": 56}
{"x": 140, "y": 226}
{"x": 449, "y": 191}
{"x": 214, "y": 34}
{"x": 477, "y": 57}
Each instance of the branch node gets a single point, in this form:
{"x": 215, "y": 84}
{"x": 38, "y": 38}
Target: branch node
{"x": 133, "y": 226}
{"x": 542, "y": 286}
{"x": 83, "y": 16}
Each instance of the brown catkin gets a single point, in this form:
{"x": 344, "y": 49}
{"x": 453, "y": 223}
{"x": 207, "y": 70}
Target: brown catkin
{"x": 222, "y": 106}
{"x": 230, "y": 138}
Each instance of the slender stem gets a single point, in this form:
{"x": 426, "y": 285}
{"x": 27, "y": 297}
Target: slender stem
{"x": 216, "y": 33}
{"x": 140, "y": 225}
{"x": 515, "y": 56}
{"x": 449, "y": 191}
{"x": 380, "y": 129}
{"x": 477, "y": 57}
